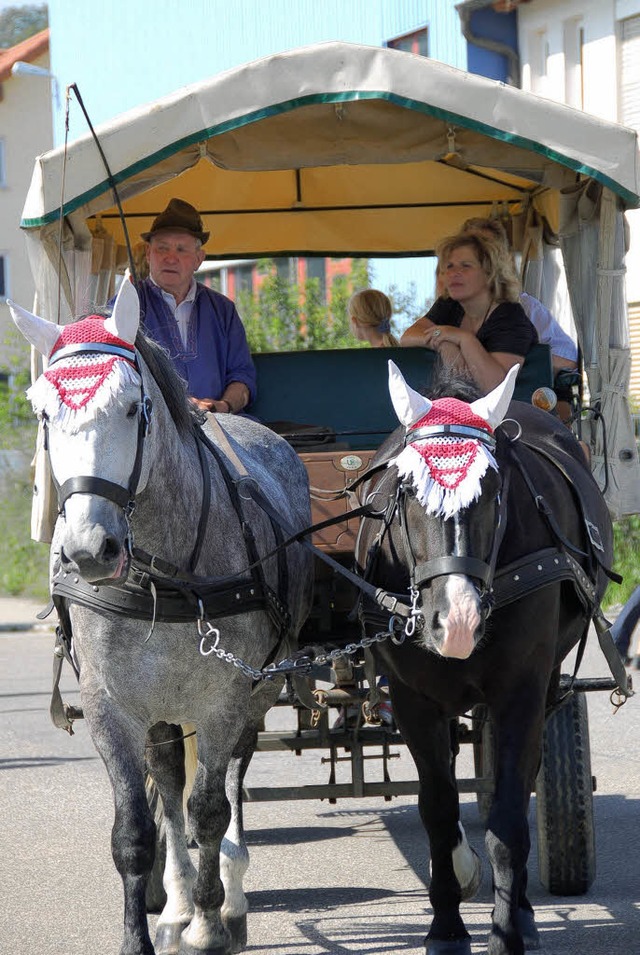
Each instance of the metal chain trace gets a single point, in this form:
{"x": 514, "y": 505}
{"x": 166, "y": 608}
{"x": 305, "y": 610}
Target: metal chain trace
{"x": 302, "y": 664}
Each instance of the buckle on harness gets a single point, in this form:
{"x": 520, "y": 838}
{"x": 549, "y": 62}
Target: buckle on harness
{"x": 594, "y": 535}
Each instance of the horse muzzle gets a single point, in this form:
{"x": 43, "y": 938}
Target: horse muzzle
{"x": 95, "y": 542}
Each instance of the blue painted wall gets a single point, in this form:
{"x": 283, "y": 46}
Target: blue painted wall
{"x": 122, "y": 54}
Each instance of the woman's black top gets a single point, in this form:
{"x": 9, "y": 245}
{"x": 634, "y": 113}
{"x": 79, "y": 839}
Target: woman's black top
{"x": 507, "y": 329}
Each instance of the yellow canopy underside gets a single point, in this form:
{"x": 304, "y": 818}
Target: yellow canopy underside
{"x": 379, "y": 209}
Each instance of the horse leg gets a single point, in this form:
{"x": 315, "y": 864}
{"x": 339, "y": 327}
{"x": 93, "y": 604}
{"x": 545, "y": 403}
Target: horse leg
{"x": 518, "y": 736}
{"x": 234, "y": 855}
{"x": 428, "y": 737}
{"x": 165, "y": 761}
{"x": 209, "y": 818}
{"x": 120, "y": 743}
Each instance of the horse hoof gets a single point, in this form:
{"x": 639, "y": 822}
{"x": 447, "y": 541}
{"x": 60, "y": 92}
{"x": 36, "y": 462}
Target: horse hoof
{"x": 186, "y": 949}
{"x": 457, "y": 946}
{"x": 237, "y": 928}
{"x": 168, "y": 938}
{"x": 527, "y": 928}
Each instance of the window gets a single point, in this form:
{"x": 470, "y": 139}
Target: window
{"x": 416, "y": 42}
{"x": 286, "y": 270}
{"x": 3, "y": 178}
{"x": 630, "y": 73}
{"x": 317, "y": 269}
{"x": 243, "y": 278}
{"x": 4, "y": 277}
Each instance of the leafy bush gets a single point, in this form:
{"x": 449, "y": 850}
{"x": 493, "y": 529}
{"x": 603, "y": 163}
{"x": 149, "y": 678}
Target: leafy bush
{"x": 626, "y": 535}
{"x": 24, "y": 564}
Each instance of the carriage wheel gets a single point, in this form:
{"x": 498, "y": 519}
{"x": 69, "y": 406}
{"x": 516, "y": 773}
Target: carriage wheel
{"x": 484, "y": 752}
{"x": 564, "y": 802}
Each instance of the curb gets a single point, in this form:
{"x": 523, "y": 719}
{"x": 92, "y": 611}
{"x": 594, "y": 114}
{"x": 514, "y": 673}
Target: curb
{"x": 26, "y": 627}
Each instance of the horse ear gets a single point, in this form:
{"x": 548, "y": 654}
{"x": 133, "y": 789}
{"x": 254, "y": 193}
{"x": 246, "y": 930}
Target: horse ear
{"x": 493, "y": 407}
{"x": 125, "y": 318}
{"x": 408, "y": 404}
{"x": 39, "y": 332}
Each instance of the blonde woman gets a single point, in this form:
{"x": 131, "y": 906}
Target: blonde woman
{"x": 369, "y": 313}
{"x": 478, "y": 324}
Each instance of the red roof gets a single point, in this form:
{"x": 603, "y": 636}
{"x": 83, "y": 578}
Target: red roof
{"x": 28, "y": 50}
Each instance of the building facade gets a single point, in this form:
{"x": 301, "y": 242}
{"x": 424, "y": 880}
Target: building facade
{"x": 25, "y": 132}
{"x": 124, "y": 78}
{"x": 586, "y": 53}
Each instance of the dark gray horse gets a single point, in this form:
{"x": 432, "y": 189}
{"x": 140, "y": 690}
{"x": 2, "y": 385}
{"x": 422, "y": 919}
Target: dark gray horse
{"x": 501, "y": 536}
{"x": 138, "y": 537}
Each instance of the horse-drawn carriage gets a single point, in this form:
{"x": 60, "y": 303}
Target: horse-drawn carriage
{"x": 338, "y": 150}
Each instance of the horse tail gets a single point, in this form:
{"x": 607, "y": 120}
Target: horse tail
{"x": 190, "y": 760}
{"x": 155, "y": 895}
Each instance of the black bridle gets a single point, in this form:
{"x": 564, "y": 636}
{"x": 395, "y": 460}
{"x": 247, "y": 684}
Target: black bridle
{"x": 482, "y": 572}
{"x": 124, "y": 497}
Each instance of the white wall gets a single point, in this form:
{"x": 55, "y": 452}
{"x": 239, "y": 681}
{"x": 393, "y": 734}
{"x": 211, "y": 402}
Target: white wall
{"x": 26, "y": 129}
{"x": 600, "y": 21}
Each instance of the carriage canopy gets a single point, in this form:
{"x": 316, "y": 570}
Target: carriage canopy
{"x": 345, "y": 150}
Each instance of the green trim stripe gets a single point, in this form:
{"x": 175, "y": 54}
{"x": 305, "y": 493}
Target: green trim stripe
{"x": 347, "y": 96}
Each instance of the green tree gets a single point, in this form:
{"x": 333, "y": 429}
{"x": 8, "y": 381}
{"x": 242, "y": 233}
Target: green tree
{"x": 285, "y": 316}
{"x": 20, "y": 22}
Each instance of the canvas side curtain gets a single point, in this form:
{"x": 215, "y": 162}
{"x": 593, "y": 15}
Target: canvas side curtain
{"x": 542, "y": 270}
{"x": 74, "y": 272}
{"x": 592, "y": 237}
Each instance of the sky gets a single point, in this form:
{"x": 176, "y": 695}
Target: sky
{"x": 140, "y": 82}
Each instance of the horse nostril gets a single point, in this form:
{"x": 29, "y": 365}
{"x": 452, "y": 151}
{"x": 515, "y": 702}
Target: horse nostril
{"x": 110, "y": 550}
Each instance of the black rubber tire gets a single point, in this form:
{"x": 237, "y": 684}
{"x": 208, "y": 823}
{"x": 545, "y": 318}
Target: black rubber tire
{"x": 484, "y": 753}
{"x": 564, "y": 802}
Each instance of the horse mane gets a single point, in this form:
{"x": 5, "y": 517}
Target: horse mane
{"x": 172, "y": 387}
{"x": 448, "y": 382}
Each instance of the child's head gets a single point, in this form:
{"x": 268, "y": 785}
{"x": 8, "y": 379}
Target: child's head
{"x": 370, "y": 314}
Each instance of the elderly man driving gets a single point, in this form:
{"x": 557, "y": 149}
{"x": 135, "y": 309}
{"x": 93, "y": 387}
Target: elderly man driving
{"x": 199, "y": 327}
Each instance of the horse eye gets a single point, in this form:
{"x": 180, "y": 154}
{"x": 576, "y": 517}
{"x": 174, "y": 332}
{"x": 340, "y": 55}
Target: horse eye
{"x": 133, "y": 410}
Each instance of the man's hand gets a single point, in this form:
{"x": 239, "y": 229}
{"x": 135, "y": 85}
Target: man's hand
{"x": 210, "y": 404}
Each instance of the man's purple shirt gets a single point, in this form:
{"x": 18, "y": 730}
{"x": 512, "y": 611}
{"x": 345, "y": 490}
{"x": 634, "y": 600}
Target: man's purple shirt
{"x": 216, "y": 352}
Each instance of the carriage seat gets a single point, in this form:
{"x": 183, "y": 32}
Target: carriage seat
{"x": 343, "y": 413}
{"x": 341, "y": 395}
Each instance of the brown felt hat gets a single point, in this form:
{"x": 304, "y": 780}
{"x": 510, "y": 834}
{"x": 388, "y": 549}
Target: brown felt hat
{"x": 179, "y": 216}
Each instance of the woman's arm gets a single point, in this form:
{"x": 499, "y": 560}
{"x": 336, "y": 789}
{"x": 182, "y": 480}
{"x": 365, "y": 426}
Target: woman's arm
{"x": 442, "y": 311}
{"x": 413, "y": 337}
{"x": 487, "y": 369}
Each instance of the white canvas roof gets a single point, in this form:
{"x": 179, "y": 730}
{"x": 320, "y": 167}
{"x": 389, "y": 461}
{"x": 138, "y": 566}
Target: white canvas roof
{"x": 345, "y": 150}
{"x": 334, "y": 148}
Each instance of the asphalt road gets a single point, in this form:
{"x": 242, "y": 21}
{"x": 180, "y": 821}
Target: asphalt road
{"x": 345, "y": 879}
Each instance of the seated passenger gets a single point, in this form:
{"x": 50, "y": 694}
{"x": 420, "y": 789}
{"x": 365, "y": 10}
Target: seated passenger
{"x": 479, "y": 324}
{"x": 564, "y": 351}
{"x": 369, "y": 314}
